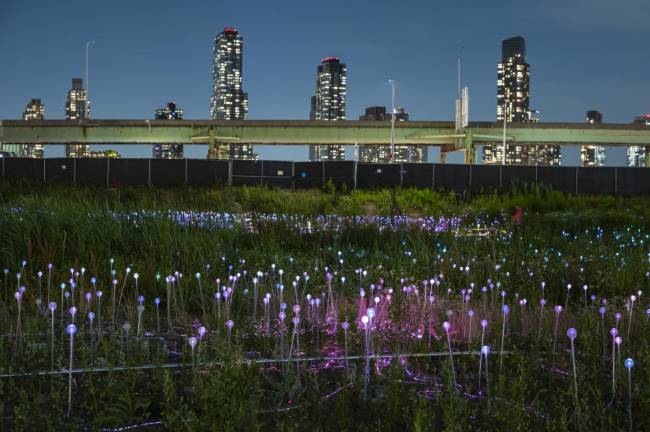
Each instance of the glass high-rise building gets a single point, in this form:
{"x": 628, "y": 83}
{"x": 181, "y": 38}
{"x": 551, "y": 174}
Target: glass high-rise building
{"x": 228, "y": 101}
{"x": 513, "y": 105}
{"x": 330, "y": 100}
{"x": 639, "y": 156}
{"x": 77, "y": 107}
{"x": 35, "y": 110}
{"x": 168, "y": 151}
{"x": 381, "y": 153}
{"x": 593, "y": 155}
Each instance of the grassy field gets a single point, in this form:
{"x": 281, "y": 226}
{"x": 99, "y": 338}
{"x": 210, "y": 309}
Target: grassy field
{"x": 417, "y": 258}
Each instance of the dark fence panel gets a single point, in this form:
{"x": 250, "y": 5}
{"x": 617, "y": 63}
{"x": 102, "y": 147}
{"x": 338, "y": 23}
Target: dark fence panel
{"x": 341, "y": 173}
{"x": 202, "y": 172}
{"x": 92, "y": 171}
{"x": 558, "y": 178}
{"x": 26, "y": 168}
{"x": 59, "y": 170}
{"x": 287, "y": 174}
{"x": 167, "y": 172}
{"x": 370, "y": 175}
{"x": 244, "y": 168}
{"x": 513, "y": 175}
{"x": 417, "y": 175}
{"x": 128, "y": 171}
{"x": 452, "y": 177}
{"x": 308, "y": 175}
{"x": 485, "y": 178}
{"x": 633, "y": 181}
{"x": 278, "y": 173}
{"x": 600, "y": 180}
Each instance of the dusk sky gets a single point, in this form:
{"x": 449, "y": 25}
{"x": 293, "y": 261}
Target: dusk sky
{"x": 584, "y": 54}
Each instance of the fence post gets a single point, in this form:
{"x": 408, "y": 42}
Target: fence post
{"x": 262, "y": 173}
{"x": 3, "y": 163}
{"x": 577, "y": 168}
{"x": 149, "y": 172}
{"x": 74, "y": 171}
{"x": 354, "y": 180}
{"x": 433, "y": 176}
{"x": 323, "y": 162}
{"x": 230, "y": 172}
{"x": 185, "y": 171}
{"x": 401, "y": 175}
{"x": 293, "y": 174}
{"x": 108, "y": 172}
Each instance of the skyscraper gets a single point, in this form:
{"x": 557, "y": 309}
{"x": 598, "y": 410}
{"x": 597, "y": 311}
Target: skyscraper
{"x": 228, "y": 101}
{"x": 593, "y": 155}
{"x": 513, "y": 99}
{"x": 168, "y": 151}
{"x": 330, "y": 104}
{"x": 639, "y": 156}
{"x": 381, "y": 153}
{"x": 35, "y": 110}
{"x": 76, "y": 109}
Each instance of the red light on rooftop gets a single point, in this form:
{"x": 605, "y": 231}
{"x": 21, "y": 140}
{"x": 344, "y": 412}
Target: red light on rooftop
{"x": 329, "y": 60}
{"x": 230, "y": 30}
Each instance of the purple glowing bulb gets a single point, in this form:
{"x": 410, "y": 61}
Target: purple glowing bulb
{"x": 618, "y": 316}
{"x": 282, "y": 316}
{"x": 572, "y": 333}
{"x": 71, "y": 329}
{"x": 88, "y": 296}
{"x": 618, "y": 340}
{"x": 91, "y": 316}
{"x": 629, "y": 363}
{"x": 446, "y": 326}
{"x": 73, "y": 311}
{"x": 613, "y": 331}
{"x": 140, "y": 299}
{"x": 230, "y": 324}
{"x": 192, "y": 341}
{"x": 557, "y": 309}
{"x": 470, "y": 313}
{"x": 202, "y": 332}
{"x": 99, "y": 294}
{"x": 52, "y": 307}
{"x": 345, "y": 325}
{"x": 542, "y": 302}
{"x": 505, "y": 309}
{"x": 295, "y": 321}
{"x": 602, "y": 311}
{"x": 485, "y": 350}
{"x": 484, "y": 323}
{"x": 18, "y": 295}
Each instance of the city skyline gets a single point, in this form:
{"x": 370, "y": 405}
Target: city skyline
{"x": 563, "y": 90}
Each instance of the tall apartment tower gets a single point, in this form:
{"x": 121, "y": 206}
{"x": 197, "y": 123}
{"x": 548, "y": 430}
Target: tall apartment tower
{"x": 168, "y": 151}
{"x": 77, "y": 107}
{"x": 228, "y": 101}
{"x": 639, "y": 156}
{"x": 329, "y": 104}
{"x": 593, "y": 155}
{"x": 513, "y": 106}
{"x": 381, "y": 153}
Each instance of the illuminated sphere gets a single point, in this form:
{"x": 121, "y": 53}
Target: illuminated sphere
{"x": 484, "y": 323}
{"x": 485, "y": 350}
{"x": 629, "y": 363}
{"x": 572, "y": 333}
{"x": 71, "y": 329}
{"x": 446, "y": 326}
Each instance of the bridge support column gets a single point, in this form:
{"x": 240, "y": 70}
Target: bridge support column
{"x": 470, "y": 148}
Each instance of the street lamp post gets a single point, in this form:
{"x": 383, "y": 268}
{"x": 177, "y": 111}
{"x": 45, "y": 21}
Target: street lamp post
{"x": 87, "y": 83}
{"x": 392, "y": 122}
{"x": 505, "y": 119}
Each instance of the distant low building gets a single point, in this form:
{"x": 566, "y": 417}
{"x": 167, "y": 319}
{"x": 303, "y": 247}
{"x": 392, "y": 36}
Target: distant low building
{"x": 639, "y": 156}
{"x": 168, "y": 151}
{"x": 593, "y": 155}
{"x": 381, "y": 153}
{"x": 111, "y": 154}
